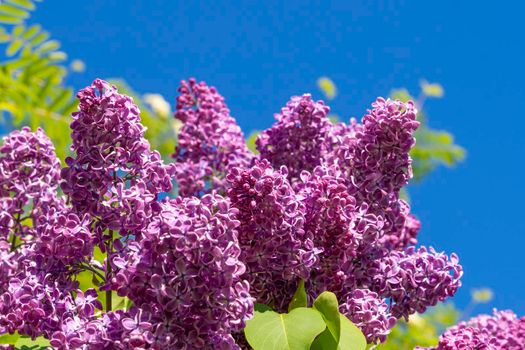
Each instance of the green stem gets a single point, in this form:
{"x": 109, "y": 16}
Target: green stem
{"x": 108, "y": 272}
{"x": 19, "y": 226}
{"x": 13, "y": 242}
{"x": 91, "y": 269}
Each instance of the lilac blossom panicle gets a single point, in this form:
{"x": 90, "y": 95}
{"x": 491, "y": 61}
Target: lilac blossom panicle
{"x": 187, "y": 271}
{"x": 29, "y": 174}
{"x": 376, "y": 164}
{"x": 210, "y": 142}
{"x": 300, "y": 138}
{"x": 113, "y": 176}
{"x": 274, "y": 245}
{"x": 502, "y": 331}
{"x": 44, "y": 237}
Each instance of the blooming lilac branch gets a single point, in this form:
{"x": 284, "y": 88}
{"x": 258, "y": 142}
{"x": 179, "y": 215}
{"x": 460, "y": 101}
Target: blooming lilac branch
{"x": 319, "y": 203}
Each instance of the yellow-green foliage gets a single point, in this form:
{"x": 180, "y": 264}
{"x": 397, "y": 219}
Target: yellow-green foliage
{"x": 421, "y": 330}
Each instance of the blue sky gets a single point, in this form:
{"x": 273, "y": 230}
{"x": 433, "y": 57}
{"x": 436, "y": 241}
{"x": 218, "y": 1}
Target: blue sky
{"x": 258, "y": 56}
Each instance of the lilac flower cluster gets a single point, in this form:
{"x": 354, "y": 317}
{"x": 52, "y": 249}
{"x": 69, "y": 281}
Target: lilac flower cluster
{"x": 502, "y": 331}
{"x": 319, "y": 203}
{"x": 369, "y": 312}
{"x": 300, "y": 138}
{"x": 275, "y": 246}
{"x": 114, "y": 176}
{"x": 36, "y": 285}
{"x": 186, "y": 271}
{"x": 210, "y": 142}
{"x": 29, "y": 173}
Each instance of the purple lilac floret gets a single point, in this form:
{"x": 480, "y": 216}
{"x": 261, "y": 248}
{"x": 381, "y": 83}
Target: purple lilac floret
{"x": 502, "y": 331}
{"x": 210, "y": 142}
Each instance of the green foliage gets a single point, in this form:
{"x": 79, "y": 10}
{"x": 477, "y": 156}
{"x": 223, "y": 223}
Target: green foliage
{"x": 24, "y": 342}
{"x": 327, "y": 86}
{"x": 293, "y": 331}
{"x": 250, "y": 141}
{"x": 327, "y": 305}
{"x": 421, "y": 330}
{"x": 299, "y": 298}
{"x": 32, "y": 75}
{"x": 482, "y": 295}
{"x": 340, "y": 333}
{"x": 9, "y": 338}
{"x": 319, "y": 328}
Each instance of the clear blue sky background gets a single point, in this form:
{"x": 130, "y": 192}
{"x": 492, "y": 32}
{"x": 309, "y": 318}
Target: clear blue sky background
{"x": 258, "y": 56}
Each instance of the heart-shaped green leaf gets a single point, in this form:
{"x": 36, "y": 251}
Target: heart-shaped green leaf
{"x": 293, "y": 331}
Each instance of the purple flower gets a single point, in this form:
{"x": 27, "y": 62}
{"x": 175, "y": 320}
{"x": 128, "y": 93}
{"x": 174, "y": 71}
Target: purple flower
{"x": 412, "y": 279}
{"x": 29, "y": 172}
{"x": 186, "y": 269}
{"x": 114, "y": 175}
{"x": 210, "y": 142}
{"x": 320, "y": 203}
{"x": 300, "y": 138}
{"x": 274, "y": 245}
{"x": 368, "y": 311}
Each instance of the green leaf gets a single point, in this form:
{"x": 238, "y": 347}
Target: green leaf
{"x": 48, "y": 46}
{"x": 31, "y": 31}
{"x": 27, "y": 343}
{"x": 61, "y": 100}
{"x": 432, "y": 90}
{"x": 4, "y": 37}
{"x": 261, "y": 308}
{"x": 351, "y": 338}
{"x": 13, "y": 11}
{"x": 293, "y": 331}
{"x": 18, "y": 30}
{"x": 327, "y": 86}
{"x": 326, "y": 303}
{"x": 8, "y": 19}
{"x": 299, "y": 298}
{"x": 13, "y": 48}
{"x": 41, "y": 37}
{"x": 27, "y": 4}
{"x": 250, "y": 141}
{"x": 9, "y": 338}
